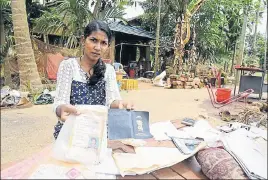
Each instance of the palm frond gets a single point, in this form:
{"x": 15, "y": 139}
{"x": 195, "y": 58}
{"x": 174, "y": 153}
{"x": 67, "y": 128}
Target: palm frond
{"x": 4, "y": 4}
{"x": 112, "y": 13}
{"x": 49, "y": 23}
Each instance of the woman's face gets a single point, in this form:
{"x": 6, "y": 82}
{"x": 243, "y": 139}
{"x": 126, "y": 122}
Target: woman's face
{"x": 95, "y": 45}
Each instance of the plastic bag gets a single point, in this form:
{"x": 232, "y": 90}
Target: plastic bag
{"x": 158, "y": 80}
{"x": 83, "y": 138}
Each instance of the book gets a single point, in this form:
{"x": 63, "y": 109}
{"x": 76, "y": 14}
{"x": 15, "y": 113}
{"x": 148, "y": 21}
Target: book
{"x": 184, "y": 145}
{"x": 125, "y": 124}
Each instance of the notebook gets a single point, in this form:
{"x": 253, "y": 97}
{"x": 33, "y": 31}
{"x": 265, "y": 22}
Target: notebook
{"x": 125, "y": 124}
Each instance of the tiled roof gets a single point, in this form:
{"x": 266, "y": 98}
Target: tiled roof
{"x": 120, "y": 27}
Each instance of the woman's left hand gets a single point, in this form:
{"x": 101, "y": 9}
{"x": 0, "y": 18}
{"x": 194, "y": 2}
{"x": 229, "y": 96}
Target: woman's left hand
{"x": 118, "y": 104}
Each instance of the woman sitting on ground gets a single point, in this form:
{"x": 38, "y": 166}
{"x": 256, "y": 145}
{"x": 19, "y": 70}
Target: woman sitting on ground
{"x": 87, "y": 79}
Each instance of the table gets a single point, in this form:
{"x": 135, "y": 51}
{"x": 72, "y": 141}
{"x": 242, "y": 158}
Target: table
{"x": 250, "y": 81}
{"x": 187, "y": 169}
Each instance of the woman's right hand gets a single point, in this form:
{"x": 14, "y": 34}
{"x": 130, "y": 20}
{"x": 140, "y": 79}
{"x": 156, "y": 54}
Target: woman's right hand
{"x": 64, "y": 110}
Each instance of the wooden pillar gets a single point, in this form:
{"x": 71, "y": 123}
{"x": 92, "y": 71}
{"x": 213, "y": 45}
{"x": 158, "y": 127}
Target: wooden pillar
{"x": 109, "y": 54}
{"x": 112, "y": 49}
{"x": 147, "y": 57}
{"x": 147, "y": 53}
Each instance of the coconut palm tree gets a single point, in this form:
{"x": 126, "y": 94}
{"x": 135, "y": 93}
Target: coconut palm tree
{"x": 29, "y": 76}
{"x": 70, "y": 17}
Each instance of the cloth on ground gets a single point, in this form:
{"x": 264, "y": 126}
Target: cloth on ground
{"x": 44, "y": 99}
{"x": 217, "y": 163}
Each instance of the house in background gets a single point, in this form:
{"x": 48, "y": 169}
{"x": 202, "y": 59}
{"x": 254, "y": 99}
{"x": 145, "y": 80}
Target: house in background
{"x": 129, "y": 43}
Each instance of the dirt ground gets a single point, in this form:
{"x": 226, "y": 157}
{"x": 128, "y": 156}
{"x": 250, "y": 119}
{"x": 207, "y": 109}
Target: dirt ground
{"x": 26, "y": 131}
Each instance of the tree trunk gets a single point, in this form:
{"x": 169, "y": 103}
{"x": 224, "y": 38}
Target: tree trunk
{"x": 29, "y": 76}
{"x": 7, "y": 72}
{"x": 241, "y": 43}
{"x": 179, "y": 46}
{"x": 255, "y": 30}
{"x": 265, "y": 49}
{"x": 156, "y": 67}
{"x": 2, "y": 31}
{"x": 182, "y": 35}
{"x": 96, "y": 9}
{"x": 233, "y": 59}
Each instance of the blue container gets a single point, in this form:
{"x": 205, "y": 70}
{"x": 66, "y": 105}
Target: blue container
{"x": 119, "y": 85}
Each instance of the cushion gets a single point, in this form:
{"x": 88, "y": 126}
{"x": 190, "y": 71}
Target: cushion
{"x": 217, "y": 163}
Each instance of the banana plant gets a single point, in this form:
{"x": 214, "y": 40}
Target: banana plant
{"x": 182, "y": 32}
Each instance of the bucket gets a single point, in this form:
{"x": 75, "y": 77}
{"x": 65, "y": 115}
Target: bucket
{"x": 132, "y": 73}
{"x": 223, "y": 94}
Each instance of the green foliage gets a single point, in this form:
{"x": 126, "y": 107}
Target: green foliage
{"x": 6, "y": 23}
{"x": 33, "y": 9}
{"x": 218, "y": 24}
{"x": 67, "y": 20}
{"x": 115, "y": 12}
{"x": 70, "y": 18}
{"x": 258, "y": 58}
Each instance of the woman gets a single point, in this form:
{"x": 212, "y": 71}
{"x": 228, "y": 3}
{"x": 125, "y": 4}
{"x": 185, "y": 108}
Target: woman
{"x": 87, "y": 79}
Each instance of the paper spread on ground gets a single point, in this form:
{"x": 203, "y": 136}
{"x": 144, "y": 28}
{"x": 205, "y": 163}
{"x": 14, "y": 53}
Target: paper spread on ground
{"x": 53, "y": 168}
{"x": 55, "y": 171}
{"x": 107, "y": 166}
{"x": 160, "y": 129}
{"x": 148, "y": 159}
{"x": 251, "y": 152}
{"x": 51, "y": 171}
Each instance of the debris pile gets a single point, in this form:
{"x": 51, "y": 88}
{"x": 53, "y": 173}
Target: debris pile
{"x": 254, "y": 114}
{"x": 13, "y": 98}
{"x": 185, "y": 82}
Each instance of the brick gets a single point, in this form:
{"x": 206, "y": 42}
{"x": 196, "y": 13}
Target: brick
{"x": 166, "y": 173}
{"x": 188, "y": 87}
{"x": 190, "y": 79}
{"x": 174, "y": 83}
{"x": 188, "y": 83}
{"x": 179, "y": 83}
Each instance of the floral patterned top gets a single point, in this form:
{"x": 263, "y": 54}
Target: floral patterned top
{"x": 73, "y": 88}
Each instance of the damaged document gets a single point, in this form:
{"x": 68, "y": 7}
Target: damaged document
{"x": 162, "y": 130}
{"x": 107, "y": 166}
{"x": 148, "y": 159}
{"x": 250, "y": 153}
{"x": 51, "y": 171}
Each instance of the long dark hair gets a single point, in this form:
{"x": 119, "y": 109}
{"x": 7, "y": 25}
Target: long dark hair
{"x": 99, "y": 68}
